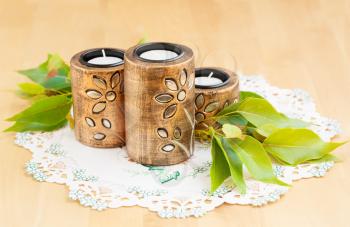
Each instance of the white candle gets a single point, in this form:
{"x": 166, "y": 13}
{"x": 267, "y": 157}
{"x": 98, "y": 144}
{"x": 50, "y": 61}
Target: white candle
{"x": 158, "y": 55}
{"x": 207, "y": 80}
{"x": 105, "y": 60}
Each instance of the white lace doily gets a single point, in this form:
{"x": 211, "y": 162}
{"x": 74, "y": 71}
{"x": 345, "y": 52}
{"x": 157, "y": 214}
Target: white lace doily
{"x": 104, "y": 178}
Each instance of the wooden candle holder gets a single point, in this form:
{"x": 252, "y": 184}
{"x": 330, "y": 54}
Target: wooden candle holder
{"x": 212, "y": 99}
{"x": 159, "y": 105}
{"x": 98, "y": 99}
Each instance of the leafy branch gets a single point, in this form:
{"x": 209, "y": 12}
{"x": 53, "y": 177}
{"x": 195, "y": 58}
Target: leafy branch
{"x": 251, "y": 133}
{"x": 50, "y": 94}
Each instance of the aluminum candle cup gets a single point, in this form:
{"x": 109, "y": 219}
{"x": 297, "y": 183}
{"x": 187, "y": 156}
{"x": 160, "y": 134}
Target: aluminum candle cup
{"x": 159, "y": 103}
{"x": 216, "y": 88}
{"x": 98, "y": 97}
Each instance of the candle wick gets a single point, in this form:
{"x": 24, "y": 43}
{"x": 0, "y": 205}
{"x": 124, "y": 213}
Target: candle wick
{"x": 211, "y": 74}
{"x": 103, "y": 53}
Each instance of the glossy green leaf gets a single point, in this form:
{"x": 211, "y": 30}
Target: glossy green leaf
{"x": 260, "y": 112}
{"x": 46, "y": 111}
{"x": 254, "y": 157}
{"x": 31, "y": 88}
{"x": 235, "y": 164}
{"x": 220, "y": 169}
{"x": 234, "y": 119}
{"x": 266, "y": 130}
{"x": 231, "y": 131}
{"x": 57, "y": 83}
{"x": 295, "y": 146}
{"x": 38, "y": 74}
{"x": 55, "y": 62}
{"x": 35, "y": 126}
{"x": 248, "y": 94}
{"x": 52, "y": 74}
{"x": 326, "y": 158}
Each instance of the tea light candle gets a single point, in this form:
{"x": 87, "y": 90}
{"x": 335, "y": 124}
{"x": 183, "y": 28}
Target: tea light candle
{"x": 158, "y": 52}
{"x": 208, "y": 81}
{"x": 102, "y": 57}
{"x": 105, "y": 60}
{"x": 158, "y": 55}
{"x": 215, "y": 89}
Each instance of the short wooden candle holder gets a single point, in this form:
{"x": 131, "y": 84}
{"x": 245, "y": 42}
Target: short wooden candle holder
{"x": 98, "y": 98}
{"x": 159, "y": 103}
{"x": 212, "y": 98}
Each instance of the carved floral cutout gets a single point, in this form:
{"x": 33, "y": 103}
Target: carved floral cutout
{"x": 173, "y": 86}
{"x": 168, "y": 147}
{"x": 99, "y": 107}
{"x": 183, "y": 77}
{"x": 177, "y": 87}
{"x": 106, "y": 123}
{"x": 90, "y": 122}
{"x": 199, "y": 116}
{"x": 199, "y": 101}
{"x": 104, "y": 92}
{"x": 99, "y": 136}
{"x": 109, "y": 95}
{"x": 211, "y": 107}
{"x": 93, "y": 94}
{"x": 170, "y": 111}
{"x": 177, "y": 133}
{"x": 164, "y": 98}
{"x": 163, "y": 134}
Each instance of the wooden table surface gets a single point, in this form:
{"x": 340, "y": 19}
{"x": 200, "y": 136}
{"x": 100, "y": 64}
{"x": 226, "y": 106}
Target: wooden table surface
{"x": 295, "y": 44}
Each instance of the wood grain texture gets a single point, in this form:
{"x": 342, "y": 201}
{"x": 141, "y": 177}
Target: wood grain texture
{"x": 210, "y": 101}
{"x": 98, "y": 101}
{"x": 294, "y": 44}
{"x": 159, "y": 108}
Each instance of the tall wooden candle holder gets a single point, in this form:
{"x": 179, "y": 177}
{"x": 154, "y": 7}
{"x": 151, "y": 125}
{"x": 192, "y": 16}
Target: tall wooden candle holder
{"x": 159, "y": 103}
{"x": 98, "y": 99}
{"x": 216, "y": 88}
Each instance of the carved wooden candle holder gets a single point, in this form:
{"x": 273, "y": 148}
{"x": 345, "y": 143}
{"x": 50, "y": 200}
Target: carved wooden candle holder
{"x": 98, "y": 98}
{"x": 159, "y": 103}
{"x": 216, "y": 88}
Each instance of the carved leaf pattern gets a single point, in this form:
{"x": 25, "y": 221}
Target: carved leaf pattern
{"x": 99, "y": 82}
{"x": 170, "y": 110}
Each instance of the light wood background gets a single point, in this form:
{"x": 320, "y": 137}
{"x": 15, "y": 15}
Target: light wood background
{"x": 295, "y": 44}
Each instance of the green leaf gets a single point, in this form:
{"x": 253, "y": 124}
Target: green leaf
{"x": 219, "y": 170}
{"x": 295, "y": 146}
{"x": 34, "y": 126}
{"x": 229, "y": 110}
{"x": 266, "y": 130}
{"x": 52, "y": 74}
{"x": 326, "y": 158}
{"x": 55, "y": 62}
{"x": 248, "y": 94}
{"x": 233, "y": 119}
{"x": 57, "y": 83}
{"x": 235, "y": 164}
{"x": 254, "y": 157}
{"x": 38, "y": 74}
{"x": 231, "y": 131}
{"x": 260, "y": 112}
{"x": 46, "y": 111}
{"x": 31, "y": 88}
